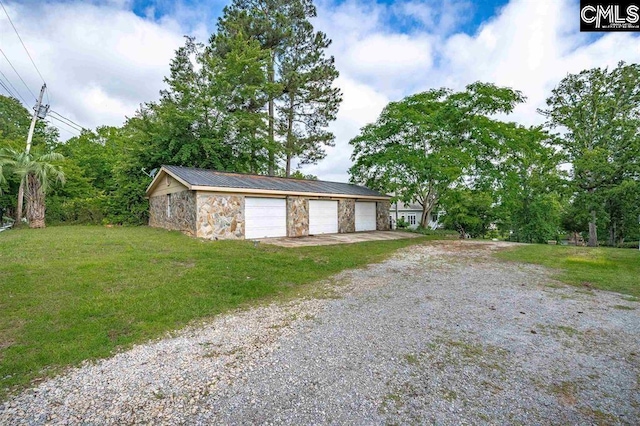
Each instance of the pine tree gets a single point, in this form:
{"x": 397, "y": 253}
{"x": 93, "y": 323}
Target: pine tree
{"x": 300, "y": 98}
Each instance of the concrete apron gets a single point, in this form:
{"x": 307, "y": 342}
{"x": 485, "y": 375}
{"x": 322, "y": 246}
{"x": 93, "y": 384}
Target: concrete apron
{"x": 329, "y": 239}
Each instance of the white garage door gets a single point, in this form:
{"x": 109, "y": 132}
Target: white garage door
{"x": 323, "y": 217}
{"x": 365, "y": 216}
{"x": 265, "y": 217}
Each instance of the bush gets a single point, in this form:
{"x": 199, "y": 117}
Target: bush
{"x": 402, "y": 224}
{"x": 76, "y": 210}
{"x": 629, "y": 244}
{"x": 446, "y": 233}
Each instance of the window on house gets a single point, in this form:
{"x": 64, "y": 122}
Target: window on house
{"x": 411, "y": 218}
{"x": 168, "y": 205}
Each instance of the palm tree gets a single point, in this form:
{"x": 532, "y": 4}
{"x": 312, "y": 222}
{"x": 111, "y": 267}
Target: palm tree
{"x": 36, "y": 172}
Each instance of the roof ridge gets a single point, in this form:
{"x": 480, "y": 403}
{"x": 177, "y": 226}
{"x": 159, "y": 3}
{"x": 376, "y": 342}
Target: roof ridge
{"x": 261, "y": 176}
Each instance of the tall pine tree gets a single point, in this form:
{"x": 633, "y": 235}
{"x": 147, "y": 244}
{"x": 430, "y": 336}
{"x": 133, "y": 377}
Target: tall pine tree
{"x": 300, "y": 98}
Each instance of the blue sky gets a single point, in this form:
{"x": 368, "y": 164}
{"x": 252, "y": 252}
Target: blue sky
{"x": 475, "y": 13}
{"x": 103, "y": 58}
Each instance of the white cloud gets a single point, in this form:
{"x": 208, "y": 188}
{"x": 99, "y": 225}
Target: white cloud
{"x": 100, "y": 61}
{"x": 530, "y": 46}
{"x": 390, "y": 62}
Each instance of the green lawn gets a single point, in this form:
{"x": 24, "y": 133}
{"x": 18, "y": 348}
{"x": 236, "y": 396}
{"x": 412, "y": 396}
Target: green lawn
{"x": 69, "y": 293}
{"x": 603, "y": 268}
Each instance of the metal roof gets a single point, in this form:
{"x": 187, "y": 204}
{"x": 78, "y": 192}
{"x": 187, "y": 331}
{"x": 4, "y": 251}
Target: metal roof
{"x": 213, "y": 178}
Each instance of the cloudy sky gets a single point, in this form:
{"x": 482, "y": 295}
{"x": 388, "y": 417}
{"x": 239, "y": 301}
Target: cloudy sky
{"x": 102, "y": 59}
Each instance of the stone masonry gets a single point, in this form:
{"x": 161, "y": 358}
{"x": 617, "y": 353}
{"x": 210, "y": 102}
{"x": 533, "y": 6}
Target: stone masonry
{"x": 297, "y": 217}
{"x": 182, "y": 215}
{"x": 346, "y": 216}
{"x": 382, "y": 215}
{"x": 220, "y": 216}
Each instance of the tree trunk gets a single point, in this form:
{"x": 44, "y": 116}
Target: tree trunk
{"x": 35, "y": 202}
{"x": 426, "y": 216}
{"x": 290, "y": 142}
{"x": 593, "y": 231}
{"x": 20, "y": 201}
{"x": 612, "y": 234}
{"x": 272, "y": 138}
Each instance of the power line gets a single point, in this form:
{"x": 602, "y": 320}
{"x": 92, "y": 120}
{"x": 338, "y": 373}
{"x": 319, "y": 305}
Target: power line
{"x": 5, "y": 85}
{"x": 17, "y": 73}
{"x": 14, "y": 88}
{"x": 60, "y": 128}
{"x": 67, "y": 124}
{"x": 22, "y": 42}
{"x": 7, "y": 89}
{"x": 67, "y": 119}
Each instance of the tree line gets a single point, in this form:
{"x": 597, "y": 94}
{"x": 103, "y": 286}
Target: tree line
{"x": 579, "y": 172}
{"x": 257, "y": 97}
{"x": 259, "y": 94}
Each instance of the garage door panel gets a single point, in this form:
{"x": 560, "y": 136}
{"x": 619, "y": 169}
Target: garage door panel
{"x": 323, "y": 217}
{"x": 265, "y": 217}
{"x": 365, "y": 216}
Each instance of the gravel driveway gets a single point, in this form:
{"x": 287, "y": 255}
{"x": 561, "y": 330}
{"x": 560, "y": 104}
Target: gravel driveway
{"x": 441, "y": 333}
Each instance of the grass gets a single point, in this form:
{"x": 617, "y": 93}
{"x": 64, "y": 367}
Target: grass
{"x": 602, "y": 268}
{"x": 74, "y": 293}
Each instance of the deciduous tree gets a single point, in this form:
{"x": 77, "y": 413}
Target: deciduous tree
{"x": 422, "y": 146}
{"x": 598, "y": 112}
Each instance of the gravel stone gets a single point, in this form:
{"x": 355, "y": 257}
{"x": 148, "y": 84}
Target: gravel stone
{"x": 440, "y": 333}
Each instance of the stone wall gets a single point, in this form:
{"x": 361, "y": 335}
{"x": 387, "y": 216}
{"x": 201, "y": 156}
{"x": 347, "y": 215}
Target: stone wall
{"x": 220, "y": 217}
{"x": 297, "y": 217}
{"x": 182, "y": 215}
{"x": 346, "y": 216}
{"x": 382, "y": 215}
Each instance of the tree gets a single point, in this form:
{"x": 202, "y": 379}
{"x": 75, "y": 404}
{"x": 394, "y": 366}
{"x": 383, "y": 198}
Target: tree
{"x": 422, "y": 146}
{"x": 14, "y": 127}
{"x": 529, "y": 184}
{"x": 301, "y": 100}
{"x": 622, "y": 205}
{"x": 470, "y": 212}
{"x": 37, "y": 172}
{"x": 600, "y": 111}
{"x": 310, "y": 100}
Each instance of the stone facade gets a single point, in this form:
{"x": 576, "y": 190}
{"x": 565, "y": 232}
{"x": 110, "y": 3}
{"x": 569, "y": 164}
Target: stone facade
{"x": 382, "y": 215}
{"x": 220, "y": 217}
{"x": 182, "y": 214}
{"x": 297, "y": 217}
{"x": 346, "y": 216}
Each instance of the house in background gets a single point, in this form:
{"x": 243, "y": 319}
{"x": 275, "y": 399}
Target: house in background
{"x": 219, "y": 205}
{"x": 411, "y": 214}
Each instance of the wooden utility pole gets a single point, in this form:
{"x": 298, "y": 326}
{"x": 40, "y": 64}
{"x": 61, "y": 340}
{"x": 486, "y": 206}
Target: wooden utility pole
{"x": 39, "y": 111}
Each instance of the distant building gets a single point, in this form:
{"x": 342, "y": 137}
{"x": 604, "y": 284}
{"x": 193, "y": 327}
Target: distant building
{"x": 410, "y": 213}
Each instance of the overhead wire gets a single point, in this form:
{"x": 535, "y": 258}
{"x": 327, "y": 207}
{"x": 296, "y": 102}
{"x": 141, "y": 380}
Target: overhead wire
{"x": 24, "y": 46}
{"x": 18, "y": 74}
{"x": 67, "y": 119}
{"x": 7, "y": 89}
{"x": 78, "y": 129}
{"x": 15, "y": 91}
{"x": 61, "y": 128}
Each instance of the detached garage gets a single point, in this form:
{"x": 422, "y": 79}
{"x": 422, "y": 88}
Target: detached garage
{"x": 219, "y": 205}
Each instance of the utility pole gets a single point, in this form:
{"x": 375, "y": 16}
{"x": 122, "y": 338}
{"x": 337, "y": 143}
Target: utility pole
{"x": 39, "y": 111}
